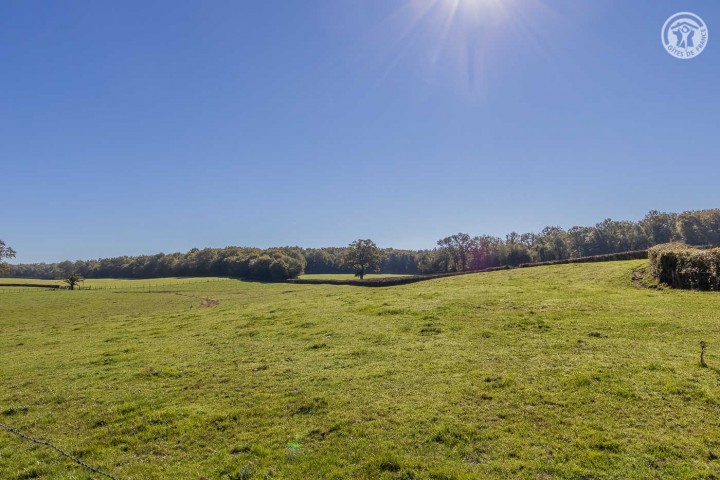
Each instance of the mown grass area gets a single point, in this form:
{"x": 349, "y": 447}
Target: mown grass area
{"x": 346, "y": 276}
{"x": 566, "y": 371}
{"x": 4, "y": 282}
{"x": 115, "y": 282}
{"x": 29, "y": 280}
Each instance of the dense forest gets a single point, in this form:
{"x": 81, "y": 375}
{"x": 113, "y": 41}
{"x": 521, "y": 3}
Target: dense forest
{"x": 461, "y": 252}
{"x": 241, "y": 262}
{"x": 457, "y": 252}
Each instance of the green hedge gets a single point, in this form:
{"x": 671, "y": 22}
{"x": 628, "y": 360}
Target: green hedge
{"x": 610, "y": 257}
{"x": 682, "y": 266}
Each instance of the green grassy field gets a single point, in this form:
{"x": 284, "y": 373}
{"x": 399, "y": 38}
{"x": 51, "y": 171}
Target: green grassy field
{"x": 29, "y": 280}
{"x": 567, "y": 371}
{"x": 346, "y": 276}
{"x": 111, "y": 283}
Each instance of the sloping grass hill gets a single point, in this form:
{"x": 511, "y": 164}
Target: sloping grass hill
{"x": 568, "y": 371}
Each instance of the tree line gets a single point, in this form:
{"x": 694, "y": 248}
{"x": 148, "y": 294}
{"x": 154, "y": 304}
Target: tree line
{"x": 239, "y": 262}
{"x": 335, "y": 260}
{"x": 459, "y": 252}
{"x": 254, "y": 263}
{"x": 462, "y": 252}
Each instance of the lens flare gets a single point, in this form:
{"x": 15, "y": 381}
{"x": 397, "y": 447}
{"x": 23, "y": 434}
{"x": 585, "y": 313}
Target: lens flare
{"x": 458, "y": 39}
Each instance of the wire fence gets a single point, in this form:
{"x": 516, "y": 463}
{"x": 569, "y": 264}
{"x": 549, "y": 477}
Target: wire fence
{"x": 57, "y": 449}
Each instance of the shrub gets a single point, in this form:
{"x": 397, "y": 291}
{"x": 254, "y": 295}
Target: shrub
{"x": 681, "y": 266}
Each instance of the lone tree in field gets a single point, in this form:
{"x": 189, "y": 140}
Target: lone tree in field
{"x": 5, "y": 252}
{"x": 363, "y": 256}
{"x": 73, "y": 280}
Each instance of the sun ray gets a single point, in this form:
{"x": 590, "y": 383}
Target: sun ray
{"x": 447, "y": 24}
{"x": 457, "y": 39}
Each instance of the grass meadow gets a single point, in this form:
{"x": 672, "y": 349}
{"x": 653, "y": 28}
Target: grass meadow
{"x": 347, "y": 276}
{"x": 557, "y": 372}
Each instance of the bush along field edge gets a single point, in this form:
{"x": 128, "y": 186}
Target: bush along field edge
{"x": 681, "y": 266}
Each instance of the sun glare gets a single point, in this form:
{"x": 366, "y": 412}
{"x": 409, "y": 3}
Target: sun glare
{"x": 456, "y": 39}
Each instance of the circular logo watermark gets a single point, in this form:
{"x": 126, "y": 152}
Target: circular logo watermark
{"x": 684, "y": 35}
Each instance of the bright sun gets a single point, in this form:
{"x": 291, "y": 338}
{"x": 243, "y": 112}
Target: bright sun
{"x": 457, "y": 39}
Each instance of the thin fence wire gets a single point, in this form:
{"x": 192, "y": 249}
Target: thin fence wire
{"x": 57, "y": 449}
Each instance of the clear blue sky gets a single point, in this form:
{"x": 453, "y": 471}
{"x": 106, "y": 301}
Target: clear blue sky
{"x": 145, "y": 127}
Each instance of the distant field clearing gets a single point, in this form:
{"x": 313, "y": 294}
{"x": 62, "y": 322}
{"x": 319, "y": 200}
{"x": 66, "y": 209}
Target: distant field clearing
{"x": 108, "y": 283}
{"x": 346, "y": 276}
